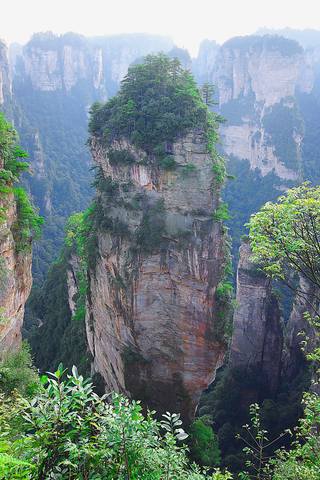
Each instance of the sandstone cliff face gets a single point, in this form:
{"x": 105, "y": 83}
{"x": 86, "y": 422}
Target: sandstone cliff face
{"x": 257, "y": 78}
{"x": 54, "y": 63}
{"x": 257, "y": 338}
{"x": 261, "y": 66}
{"x": 151, "y": 313}
{"x": 62, "y": 66}
{"x": 15, "y": 280}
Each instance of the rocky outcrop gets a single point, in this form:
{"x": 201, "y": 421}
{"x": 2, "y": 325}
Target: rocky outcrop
{"x": 15, "y": 279}
{"x": 152, "y": 313}
{"x": 257, "y": 338}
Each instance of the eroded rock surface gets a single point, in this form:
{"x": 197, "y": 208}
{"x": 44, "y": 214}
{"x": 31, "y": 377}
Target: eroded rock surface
{"x": 15, "y": 280}
{"x": 152, "y": 314}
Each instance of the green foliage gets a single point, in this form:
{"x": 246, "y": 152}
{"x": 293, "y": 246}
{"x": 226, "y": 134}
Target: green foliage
{"x": 12, "y": 468}
{"x": 285, "y": 234}
{"x": 62, "y": 335}
{"x": 228, "y": 402}
{"x": 169, "y": 106}
{"x": 17, "y": 373}
{"x": 68, "y": 432}
{"x": 224, "y": 290}
{"x": 219, "y": 170}
{"x": 257, "y": 443}
{"x": 221, "y": 214}
{"x": 11, "y": 165}
{"x": 81, "y": 236}
{"x": 59, "y": 337}
{"x": 189, "y": 169}
{"x": 53, "y": 128}
{"x": 302, "y": 461}
{"x": 11, "y": 154}
{"x": 28, "y": 224}
{"x": 204, "y": 445}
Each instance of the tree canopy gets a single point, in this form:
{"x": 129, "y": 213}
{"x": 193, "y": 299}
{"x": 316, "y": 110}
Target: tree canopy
{"x": 286, "y": 234}
{"x": 158, "y": 101}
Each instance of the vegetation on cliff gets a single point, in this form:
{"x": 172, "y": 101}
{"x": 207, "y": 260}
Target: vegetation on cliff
{"x": 12, "y": 164}
{"x": 158, "y": 103}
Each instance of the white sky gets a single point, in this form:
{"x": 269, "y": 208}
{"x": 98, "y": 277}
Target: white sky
{"x": 186, "y": 21}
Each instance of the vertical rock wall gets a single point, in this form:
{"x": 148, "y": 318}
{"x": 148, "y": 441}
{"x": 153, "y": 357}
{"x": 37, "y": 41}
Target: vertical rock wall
{"x": 15, "y": 280}
{"x": 152, "y": 314}
{"x": 257, "y": 338}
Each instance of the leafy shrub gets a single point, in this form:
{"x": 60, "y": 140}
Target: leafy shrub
{"x": 219, "y": 171}
{"x": 204, "y": 445}
{"x": 28, "y": 224}
{"x": 68, "y": 432}
{"x": 11, "y": 165}
{"x": 17, "y": 373}
{"x": 222, "y": 213}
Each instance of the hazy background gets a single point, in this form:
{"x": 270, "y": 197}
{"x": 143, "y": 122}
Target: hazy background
{"x": 187, "y": 22}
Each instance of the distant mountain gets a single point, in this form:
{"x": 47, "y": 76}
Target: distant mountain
{"x": 307, "y": 37}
